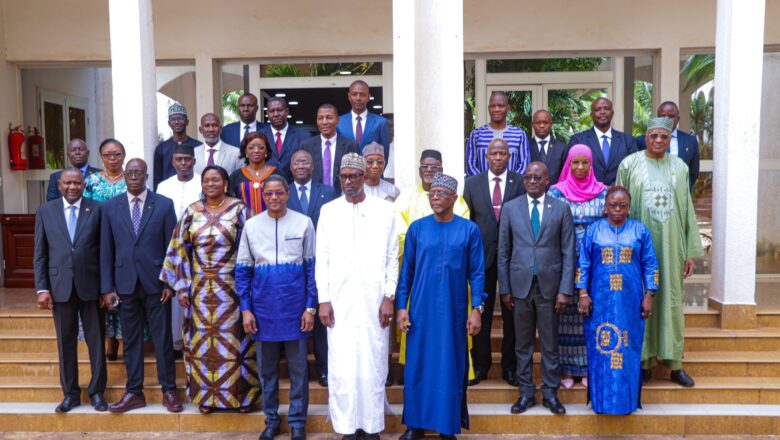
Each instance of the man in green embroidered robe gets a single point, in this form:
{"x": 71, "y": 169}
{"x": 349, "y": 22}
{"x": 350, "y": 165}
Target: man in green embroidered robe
{"x": 661, "y": 199}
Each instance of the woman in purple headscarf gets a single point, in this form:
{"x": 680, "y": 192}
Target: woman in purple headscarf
{"x": 585, "y": 196}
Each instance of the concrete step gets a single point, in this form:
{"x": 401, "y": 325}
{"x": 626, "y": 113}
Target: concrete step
{"x": 768, "y": 317}
{"x": 693, "y": 318}
{"x": 485, "y": 419}
{"x": 707, "y": 390}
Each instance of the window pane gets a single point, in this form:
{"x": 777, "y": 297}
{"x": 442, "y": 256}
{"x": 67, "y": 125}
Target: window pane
{"x": 55, "y": 135}
{"x": 320, "y": 69}
{"x": 78, "y": 123}
{"x": 550, "y": 65}
{"x": 570, "y": 109}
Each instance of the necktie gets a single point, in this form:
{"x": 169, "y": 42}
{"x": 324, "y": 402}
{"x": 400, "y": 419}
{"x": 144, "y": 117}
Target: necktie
{"x": 279, "y": 143}
{"x": 304, "y": 200}
{"x": 246, "y": 131}
{"x": 72, "y": 223}
{"x": 535, "y": 225}
{"x": 542, "y": 153}
{"x": 497, "y": 197}
{"x": 605, "y": 148}
{"x": 327, "y": 167}
{"x": 211, "y": 157}
{"x": 358, "y": 131}
{"x": 136, "y": 214}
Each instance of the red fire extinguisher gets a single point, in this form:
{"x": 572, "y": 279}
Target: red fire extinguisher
{"x": 36, "y": 153}
{"x": 16, "y": 145}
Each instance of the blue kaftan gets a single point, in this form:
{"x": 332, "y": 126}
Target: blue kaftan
{"x": 275, "y": 274}
{"x": 616, "y": 265}
{"x": 439, "y": 262}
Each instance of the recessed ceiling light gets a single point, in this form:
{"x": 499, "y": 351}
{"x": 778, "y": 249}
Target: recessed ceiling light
{"x": 293, "y": 103}
{"x": 345, "y": 72}
{"x": 288, "y": 116}
{"x": 265, "y": 109}
{"x": 370, "y": 98}
{"x": 377, "y": 106}
{"x": 299, "y": 122}
{"x": 280, "y": 95}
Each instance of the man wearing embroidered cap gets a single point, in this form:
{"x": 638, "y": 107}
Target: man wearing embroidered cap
{"x": 442, "y": 257}
{"x": 356, "y": 271}
{"x": 374, "y": 155}
{"x": 163, "y": 153}
{"x": 662, "y": 201}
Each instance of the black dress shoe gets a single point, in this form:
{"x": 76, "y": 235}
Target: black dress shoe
{"x": 178, "y": 354}
{"x": 98, "y": 402}
{"x": 510, "y": 378}
{"x": 323, "y": 380}
{"x": 479, "y": 376}
{"x": 412, "y": 434}
{"x": 298, "y": 434}
{"x": 67, "y": 404}
{"x": 269, "y": 433}
{"x": 522, "y": 405}
{"x": 646, "y": 376}
{"x": 555, "y": 405}
{"x": 680, "y": 377}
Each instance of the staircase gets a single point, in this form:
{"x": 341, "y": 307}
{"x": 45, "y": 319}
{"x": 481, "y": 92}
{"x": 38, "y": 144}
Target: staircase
{"x": 737, "y": 391}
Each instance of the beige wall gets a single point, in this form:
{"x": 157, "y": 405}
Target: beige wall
{"x": 185, "y": 28}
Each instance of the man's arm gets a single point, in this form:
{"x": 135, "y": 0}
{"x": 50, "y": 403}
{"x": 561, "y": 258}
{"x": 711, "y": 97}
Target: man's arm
{"x": 106, "y": 253}
{"x": 41, "y": 255}
{"x": 53, "y": 192}
{"x": 568, "y": 260}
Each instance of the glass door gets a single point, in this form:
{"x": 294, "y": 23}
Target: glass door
{"x": 524, "y": 100}
{"x": 569, "y": 105}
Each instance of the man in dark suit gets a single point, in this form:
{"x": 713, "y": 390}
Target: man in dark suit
{"x": 307, "y": 197}
{"x": 536, "y": 277}
{"x": 328, "y": 148}
{"x": 683, "y": 145}
{"x": 284, "y": 138}
{"x": 67, "y": 262}
{"x": 163, "y": 152}
{"x": 544, "y": 148}
{"x": 608, "y": 145}
{"x": 485, "y": 194}
{"x": 78, "y": 155}
{"x": 360, "y": 125}
{"x": 135, "y": 231}
{"x": 233, "y": 133}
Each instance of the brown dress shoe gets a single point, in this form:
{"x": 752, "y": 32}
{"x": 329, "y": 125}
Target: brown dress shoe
{"x": 128, "y": 402}
{"x": 171, "y": 402}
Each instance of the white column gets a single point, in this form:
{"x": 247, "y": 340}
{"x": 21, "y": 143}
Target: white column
{"x": 428, "y": 84}
{"x": 669, "y": 89}
{"x": 208, "y": 85}
{"x": 739, "y": 54}
{"x": 133, "y": 77}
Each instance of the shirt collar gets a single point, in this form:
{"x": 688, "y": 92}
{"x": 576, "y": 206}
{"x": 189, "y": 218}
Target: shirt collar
{"x": 252, "y": 125}
{"x": 68, "y": 205}
{"x": 502, "y": 176}
{"x": 307, "y": 185}
{"x": 282, "y": 131}
{"x": 216, "y": 146}
{"x": 362, "y": 115}
{"x": 540, "y": 199}
{"x": 85, "y": 168}
{"x": 331, "y": 139}
{"x": 674, "y": 133}
{"x": 538, "y": 139}
{"x": 141, "y": 196}
{"x": 600, "y": 133}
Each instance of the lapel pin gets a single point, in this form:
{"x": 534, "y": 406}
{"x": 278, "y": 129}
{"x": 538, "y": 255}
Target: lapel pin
{"x": 86, "y": 209}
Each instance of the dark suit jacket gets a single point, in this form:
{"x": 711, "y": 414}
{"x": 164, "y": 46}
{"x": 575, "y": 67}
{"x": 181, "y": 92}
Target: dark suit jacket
{"x": 314, "y": 146}
{"x": 555, "y": 158}
{"x": 375, "y": 129}
{"x": 59, "y": 263}
{"x": 320, "y": 195}
{"x": 479, "y": 197}
{"x": 621, "y": 145}
{"x": 553, "y": 250}
{"x": 687, "y": 150}
{"x": 127, "y": 258}
{"x": 230, "y": 133}
{"x": 163, "y": 159}
{"x": 53, "y": 192}
{"x": 292, "y": 140}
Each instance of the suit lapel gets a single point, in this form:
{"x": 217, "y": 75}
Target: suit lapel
{"x": 147, "y": 212}
{"x": 615, "y": 147}
{"x": 595, "y": 147}
{"x": 313, "y": 197}
{"x": 548, "y": 211}
{"x": 59, "y": 218}
{"x": 125, "y": 205}
{"x": 511, "y": 184}
{"x": 84, "y": 214}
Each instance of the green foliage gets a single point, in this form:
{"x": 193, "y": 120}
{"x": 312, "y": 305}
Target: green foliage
{"x": 545, "y": 65}
{"x": 230, "y": 106}
{"x": 322, "y": 69}
{"x": 698, "y": 70}
{"x": 643, "y": 106}
{"x": 702, "y": 116}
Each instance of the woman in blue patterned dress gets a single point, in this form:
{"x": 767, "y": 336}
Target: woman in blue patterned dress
{"x": 585, "y": 196}
{"x": 100, "y": 187}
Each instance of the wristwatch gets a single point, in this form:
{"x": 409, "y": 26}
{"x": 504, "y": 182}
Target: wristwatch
{"x": 481, "y": 308}
{"x": 312, "y": 311}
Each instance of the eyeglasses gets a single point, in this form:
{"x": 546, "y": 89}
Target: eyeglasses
{"x": 352, "y": 177}
{"x": 134, "y": 174}
{"x": 663, "y": 136}
{"x": 533, "y": 178}
{"x": 269, "y": 194}
{"x": 431, "y": 168}
{"x": 111, "y": 155}
{"x": 439, "y": 194}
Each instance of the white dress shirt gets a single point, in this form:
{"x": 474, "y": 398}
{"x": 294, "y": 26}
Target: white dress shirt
{"x": 501, "y": 183}
{"x": 547, "y": 140}
{"x": 142, "y": 197}
{"x": 67, "y": 206}
{"x": 674, "y": 147}
{"x": 600, "y": 133}
{"x": 362, "y": 121}
{"x": 252, "y": 127}
{"x": 307, "y": 185}
{"x": 283, "y": 132}
{"x": 539, "y": 207}
{"x": 183, "y": 194}
{"x": 216, "y": 147}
